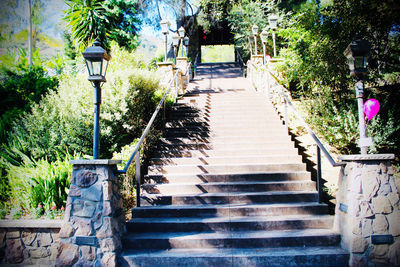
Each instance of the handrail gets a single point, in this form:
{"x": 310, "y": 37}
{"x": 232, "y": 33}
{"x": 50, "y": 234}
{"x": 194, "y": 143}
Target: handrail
{"x": 149, "y": 124}
{"x": 195, "y": 64}
{"x": 310, "y": 132}
{"x": 243, "y": 66}
{"x": 320, "y": 146}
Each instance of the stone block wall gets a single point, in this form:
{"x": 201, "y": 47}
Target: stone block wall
{"x": 368, "y": 210}
{"x": 94, "y": 218}
{"x": 29, "y": 242}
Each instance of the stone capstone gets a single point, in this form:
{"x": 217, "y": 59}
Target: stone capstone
{"x": 381, "y": 204}
{"x": 14, "y": 251}
{"x": 68, "y": 254}
{"x": 380, "y": 224}
{"x": 85, "y": 178}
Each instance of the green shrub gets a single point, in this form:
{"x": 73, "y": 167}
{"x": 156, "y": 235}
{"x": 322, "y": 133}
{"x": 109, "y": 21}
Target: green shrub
{"x": 39, "y": 182}
{"x": 63, "y": 120}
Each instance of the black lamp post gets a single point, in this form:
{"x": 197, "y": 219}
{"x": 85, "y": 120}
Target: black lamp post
{"x": 357, "y": 55}
{"x": 96, "y": 59}
{"x": 164, "y": 29}
{"x": 254, "y": 30}
{"x": 175, "y": 43}
{"x": 273, "y": 24}
{"x": 181, "y": 33}
{"x": 264, "y": 39}
{"x": 186, "y": 43}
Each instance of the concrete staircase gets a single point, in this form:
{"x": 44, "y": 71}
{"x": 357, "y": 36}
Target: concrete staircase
{"x": 228, "y": 188}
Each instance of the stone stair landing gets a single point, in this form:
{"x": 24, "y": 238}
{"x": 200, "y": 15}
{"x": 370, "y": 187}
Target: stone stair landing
{"x": 227, "y": 187}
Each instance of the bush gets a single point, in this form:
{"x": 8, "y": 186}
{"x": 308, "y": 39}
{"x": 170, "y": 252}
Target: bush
{"x": 63, "y": 120}
{"x": 39, "y": 182}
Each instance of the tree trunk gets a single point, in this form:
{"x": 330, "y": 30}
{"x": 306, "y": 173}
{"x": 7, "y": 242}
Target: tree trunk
{"x": 30, "y": 41}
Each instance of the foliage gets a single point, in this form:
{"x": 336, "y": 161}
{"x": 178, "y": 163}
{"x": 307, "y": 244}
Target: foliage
{"x": 19, "y": 91}
{"x": 63, "y": 120}
{"x": 39, "y": 183}
{"x": 103, "y": 19}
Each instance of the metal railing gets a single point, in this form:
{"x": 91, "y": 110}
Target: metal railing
{"x": 195, "y": 65}
{"x": 241, "y": 62}
{"x": 287, "y": 103}
{"x": 136, "y": 152}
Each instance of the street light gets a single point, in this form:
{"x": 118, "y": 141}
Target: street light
{"x": 181, "y": 32}
{"x": 165, "y": 29}
{"x": 357, "y": 55}
{"x": 264, "y": 39}
{"x": 249, "y": 39}
{"x": 273, "y": 24}
{"x": 254, "y": 29}
{"x": 186, "y": 43}
{"x": 175, "y": 43}
{"x": 96, "y": 59}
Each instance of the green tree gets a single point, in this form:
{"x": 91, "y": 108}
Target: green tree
{"x": 103, "y": 19}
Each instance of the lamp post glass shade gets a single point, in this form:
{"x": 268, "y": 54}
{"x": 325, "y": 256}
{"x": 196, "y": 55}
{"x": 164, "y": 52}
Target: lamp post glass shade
{"x": 175, "y": 40}
{"x": 181, "y": 32}
{"x": 273, "y": 21}
{"x": 264, "y": 36}
{"x": 357, "y": 55}
{"x": 164, "y": 26}
{"x": 186, "y": 41}
{"x": 96, "y": 59}
{"x": 254, "y": 29}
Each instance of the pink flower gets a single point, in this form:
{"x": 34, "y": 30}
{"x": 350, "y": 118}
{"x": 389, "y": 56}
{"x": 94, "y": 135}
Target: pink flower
{"x": 40, "y": 206}
{"x": 62, "y": 208}
{"x": 53, "y": 208}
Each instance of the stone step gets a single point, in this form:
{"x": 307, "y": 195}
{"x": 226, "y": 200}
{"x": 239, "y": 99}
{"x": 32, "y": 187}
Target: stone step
{"x": 226, "y": 115}
{"x": 199, "y": 188}
{"x": 194, "y": 138}
{"x": 226, "y": 224}
{"x": 225, "y": 168}
{"x": 301, "y": 208}
{"x": 205, "y": 153}
{"x": 233, "y": 198}
{"x": 224, "y": 121}
{"x": 234, "y": 239}
{"x": 227, "y": 146}
{"x": 189, "y": 124}
{"x": 231, "y": 177}
{"x": 227, "y": 131}
{"x": 288, "y": 158}
{"x": 272, "y": 257}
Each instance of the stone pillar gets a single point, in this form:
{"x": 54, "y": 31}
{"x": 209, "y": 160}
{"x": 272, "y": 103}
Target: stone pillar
{"x": 182, "y": 64}
{"x": 167, "y": 71}
{"x": 257, "y": 60}
{"x": 94, "y": 218}
{"x": 368, "y": 210}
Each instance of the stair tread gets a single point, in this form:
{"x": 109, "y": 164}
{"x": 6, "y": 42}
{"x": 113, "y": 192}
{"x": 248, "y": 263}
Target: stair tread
{"x": 227, "y": 183}
{"x": 292, "y": 217}
{"x": 232, "y": 206}
{"x": 224, "y": 252}
{"x": 236, "y": 194}
{"x": 233, "y": 234}
{"x": 227, "y": 173}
